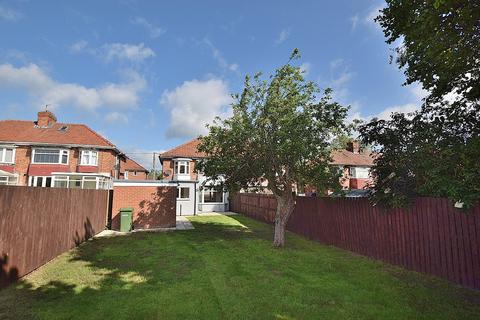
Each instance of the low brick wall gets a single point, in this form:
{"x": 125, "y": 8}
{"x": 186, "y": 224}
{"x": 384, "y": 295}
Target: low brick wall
{"x": 153, "y": 204}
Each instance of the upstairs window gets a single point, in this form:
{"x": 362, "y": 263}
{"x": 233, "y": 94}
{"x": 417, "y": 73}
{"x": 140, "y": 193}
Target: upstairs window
{"x": 7, "y": 155}
{"x": 182, "y": 167}
{"x": 89, "y": 158}
{"x": 50, "y": 156}
{"x": 359, "y": 172}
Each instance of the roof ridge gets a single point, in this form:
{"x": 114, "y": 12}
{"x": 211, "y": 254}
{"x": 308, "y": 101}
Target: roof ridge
{"x": 181, "y": 145}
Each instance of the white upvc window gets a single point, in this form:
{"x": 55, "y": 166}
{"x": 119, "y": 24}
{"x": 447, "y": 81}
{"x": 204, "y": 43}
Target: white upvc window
{"x": 125, "y": 175}
{"x": 81, "y": 182}
{"x": 9, "y": 180}
{"x": 7, "y": 154}
{"x": 359, "y": 172}
{"x": 89, "y": 158}
{"x": 50, "y": 156}
{"x": 183, "y": 193}
{"x": 182, "y": 167}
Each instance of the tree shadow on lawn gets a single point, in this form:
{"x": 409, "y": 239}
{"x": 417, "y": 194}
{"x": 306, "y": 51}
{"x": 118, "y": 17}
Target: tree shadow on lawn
{"x": 218, "y": 270}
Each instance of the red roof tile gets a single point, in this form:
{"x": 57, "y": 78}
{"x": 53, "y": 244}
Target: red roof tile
{"x": 187, "y": 150}
{"x": 131, "y": 165}
{"x": 340, "y": 157}
{"x": 345, "y": 157}
{"x": 28, "y": 132}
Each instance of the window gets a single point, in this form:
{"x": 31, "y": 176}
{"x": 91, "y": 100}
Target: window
{"x": 89, "y": 158}
{"x": 183, "y": 193}
{"x": 134, "y": 173}
{"x": 40, "y": 181}
{"x": 8, "y": 180}
{"x": 7, "y": 155}
{"x": 182, "y": 167}
{"x": 125, "y": 175}
{"x": 82, "y": 182}
{"x": 359, "y": 172}
{"x": 212, "y": 195}
{"x": 54, "y": 156}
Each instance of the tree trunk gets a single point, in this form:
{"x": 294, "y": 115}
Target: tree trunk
{"x": 285, "y": 206}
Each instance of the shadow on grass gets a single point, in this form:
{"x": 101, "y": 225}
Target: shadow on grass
{"x": 169, "y": 275}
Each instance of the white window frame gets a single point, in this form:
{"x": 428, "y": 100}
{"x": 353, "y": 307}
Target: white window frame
{"x": 179, "y": 193}
{"x": 212, "y": 187}
{"x": 4, "y": 153}
{"x": 356, "y": 170}
{"x": 182, "y": 163}
{"x": 32, "y": 181}
{"x": 90, "y": 156}
{"x": 125, "y": 175}
{"x": 8, "y": 180}
{"x": 62, "y": 152}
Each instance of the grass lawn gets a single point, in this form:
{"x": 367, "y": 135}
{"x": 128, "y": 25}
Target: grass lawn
{"x": 227, "y": 269}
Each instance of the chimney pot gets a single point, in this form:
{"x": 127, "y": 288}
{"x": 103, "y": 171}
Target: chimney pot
{"x": 46, "y": 119}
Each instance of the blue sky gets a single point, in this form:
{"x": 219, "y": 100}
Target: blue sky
{"x": 148, "y": 75}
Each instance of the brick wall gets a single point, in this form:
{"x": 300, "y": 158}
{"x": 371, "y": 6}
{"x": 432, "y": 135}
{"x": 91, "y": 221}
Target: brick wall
{"x": 153, "y": 206}
{"x": 141, "y": 175}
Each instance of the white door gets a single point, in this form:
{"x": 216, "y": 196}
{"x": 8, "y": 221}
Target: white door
{"x": 185, "y": 199}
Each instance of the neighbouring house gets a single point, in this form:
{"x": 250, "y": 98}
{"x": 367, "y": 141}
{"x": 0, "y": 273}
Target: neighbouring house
{"x": 46, "y": 153}
{"x": 195, "y": 193}
{"x": 355, "y": 165}
{"x": 133, "y": 171}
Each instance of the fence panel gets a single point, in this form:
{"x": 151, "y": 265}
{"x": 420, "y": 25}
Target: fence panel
{"x": 430, "y": 237}
{"x": 38, "y": 224}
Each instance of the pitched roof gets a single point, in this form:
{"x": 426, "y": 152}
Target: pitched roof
{"x": 186, "y": 150}
{"x": 340, "y": 157}
{"x": 345, "y": 157}
{"x": 29, "y": 132}
{"x": 132, "y": 165}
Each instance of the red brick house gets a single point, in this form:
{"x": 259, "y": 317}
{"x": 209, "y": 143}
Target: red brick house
{"x": 178, "y": 166}
{"x": 355, "y": 164}
{"x": 46, "y": 153}
{"x": 133, "y": 171}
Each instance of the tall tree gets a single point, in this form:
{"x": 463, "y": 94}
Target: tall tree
{"x": 434, "y": 151}
{"x": 279, "y": 132}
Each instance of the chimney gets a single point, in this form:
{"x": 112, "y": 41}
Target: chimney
{"x": 353, "y": 146}
{"x": 46, "y": 119}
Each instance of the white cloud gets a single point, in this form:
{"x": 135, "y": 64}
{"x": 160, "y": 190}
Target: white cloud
{"x": 79, "y": 46}
{"x": 354, "y": 21}
{"x": 406, "y": 108}
{"x": 283, "y": 35}
{"x": 218, "y": 56}
{"x": 306, "y": 67}
{"x": 153, "y": 30}
{"x": 111, "y": 51}
{"x": 8, "y": 14}
{"x": 45, "y": 90}
{"x": 125, "y": 51}
{"x": 336, "y": 63}
{"x": 194, "y": 104}
{"x": 372, "y": 14}
{"x": 116, "y": 118}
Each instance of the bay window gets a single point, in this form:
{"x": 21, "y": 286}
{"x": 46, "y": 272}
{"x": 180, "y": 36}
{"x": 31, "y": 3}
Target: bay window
{"x": 182, "y": 167}
{"x": 50, "y": 156}
{"x": 89, "y": 158}
{"x": 7, "y": 155}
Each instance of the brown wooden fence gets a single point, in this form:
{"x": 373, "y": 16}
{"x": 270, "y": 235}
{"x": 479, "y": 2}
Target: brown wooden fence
{"x": 431, "y": 237}
{"x": 38, "y": 224}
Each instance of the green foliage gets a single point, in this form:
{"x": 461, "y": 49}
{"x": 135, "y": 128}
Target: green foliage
{"x": 434, "y": 151}
{"x": 440, "y": 44}
{"x": 279, "y": 131}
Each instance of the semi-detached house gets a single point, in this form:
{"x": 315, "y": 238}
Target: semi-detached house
{"x": 46, "y": 153}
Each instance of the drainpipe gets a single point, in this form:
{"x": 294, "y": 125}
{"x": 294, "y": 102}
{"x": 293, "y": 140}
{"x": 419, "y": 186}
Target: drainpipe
{"x": 195, "y": 199}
